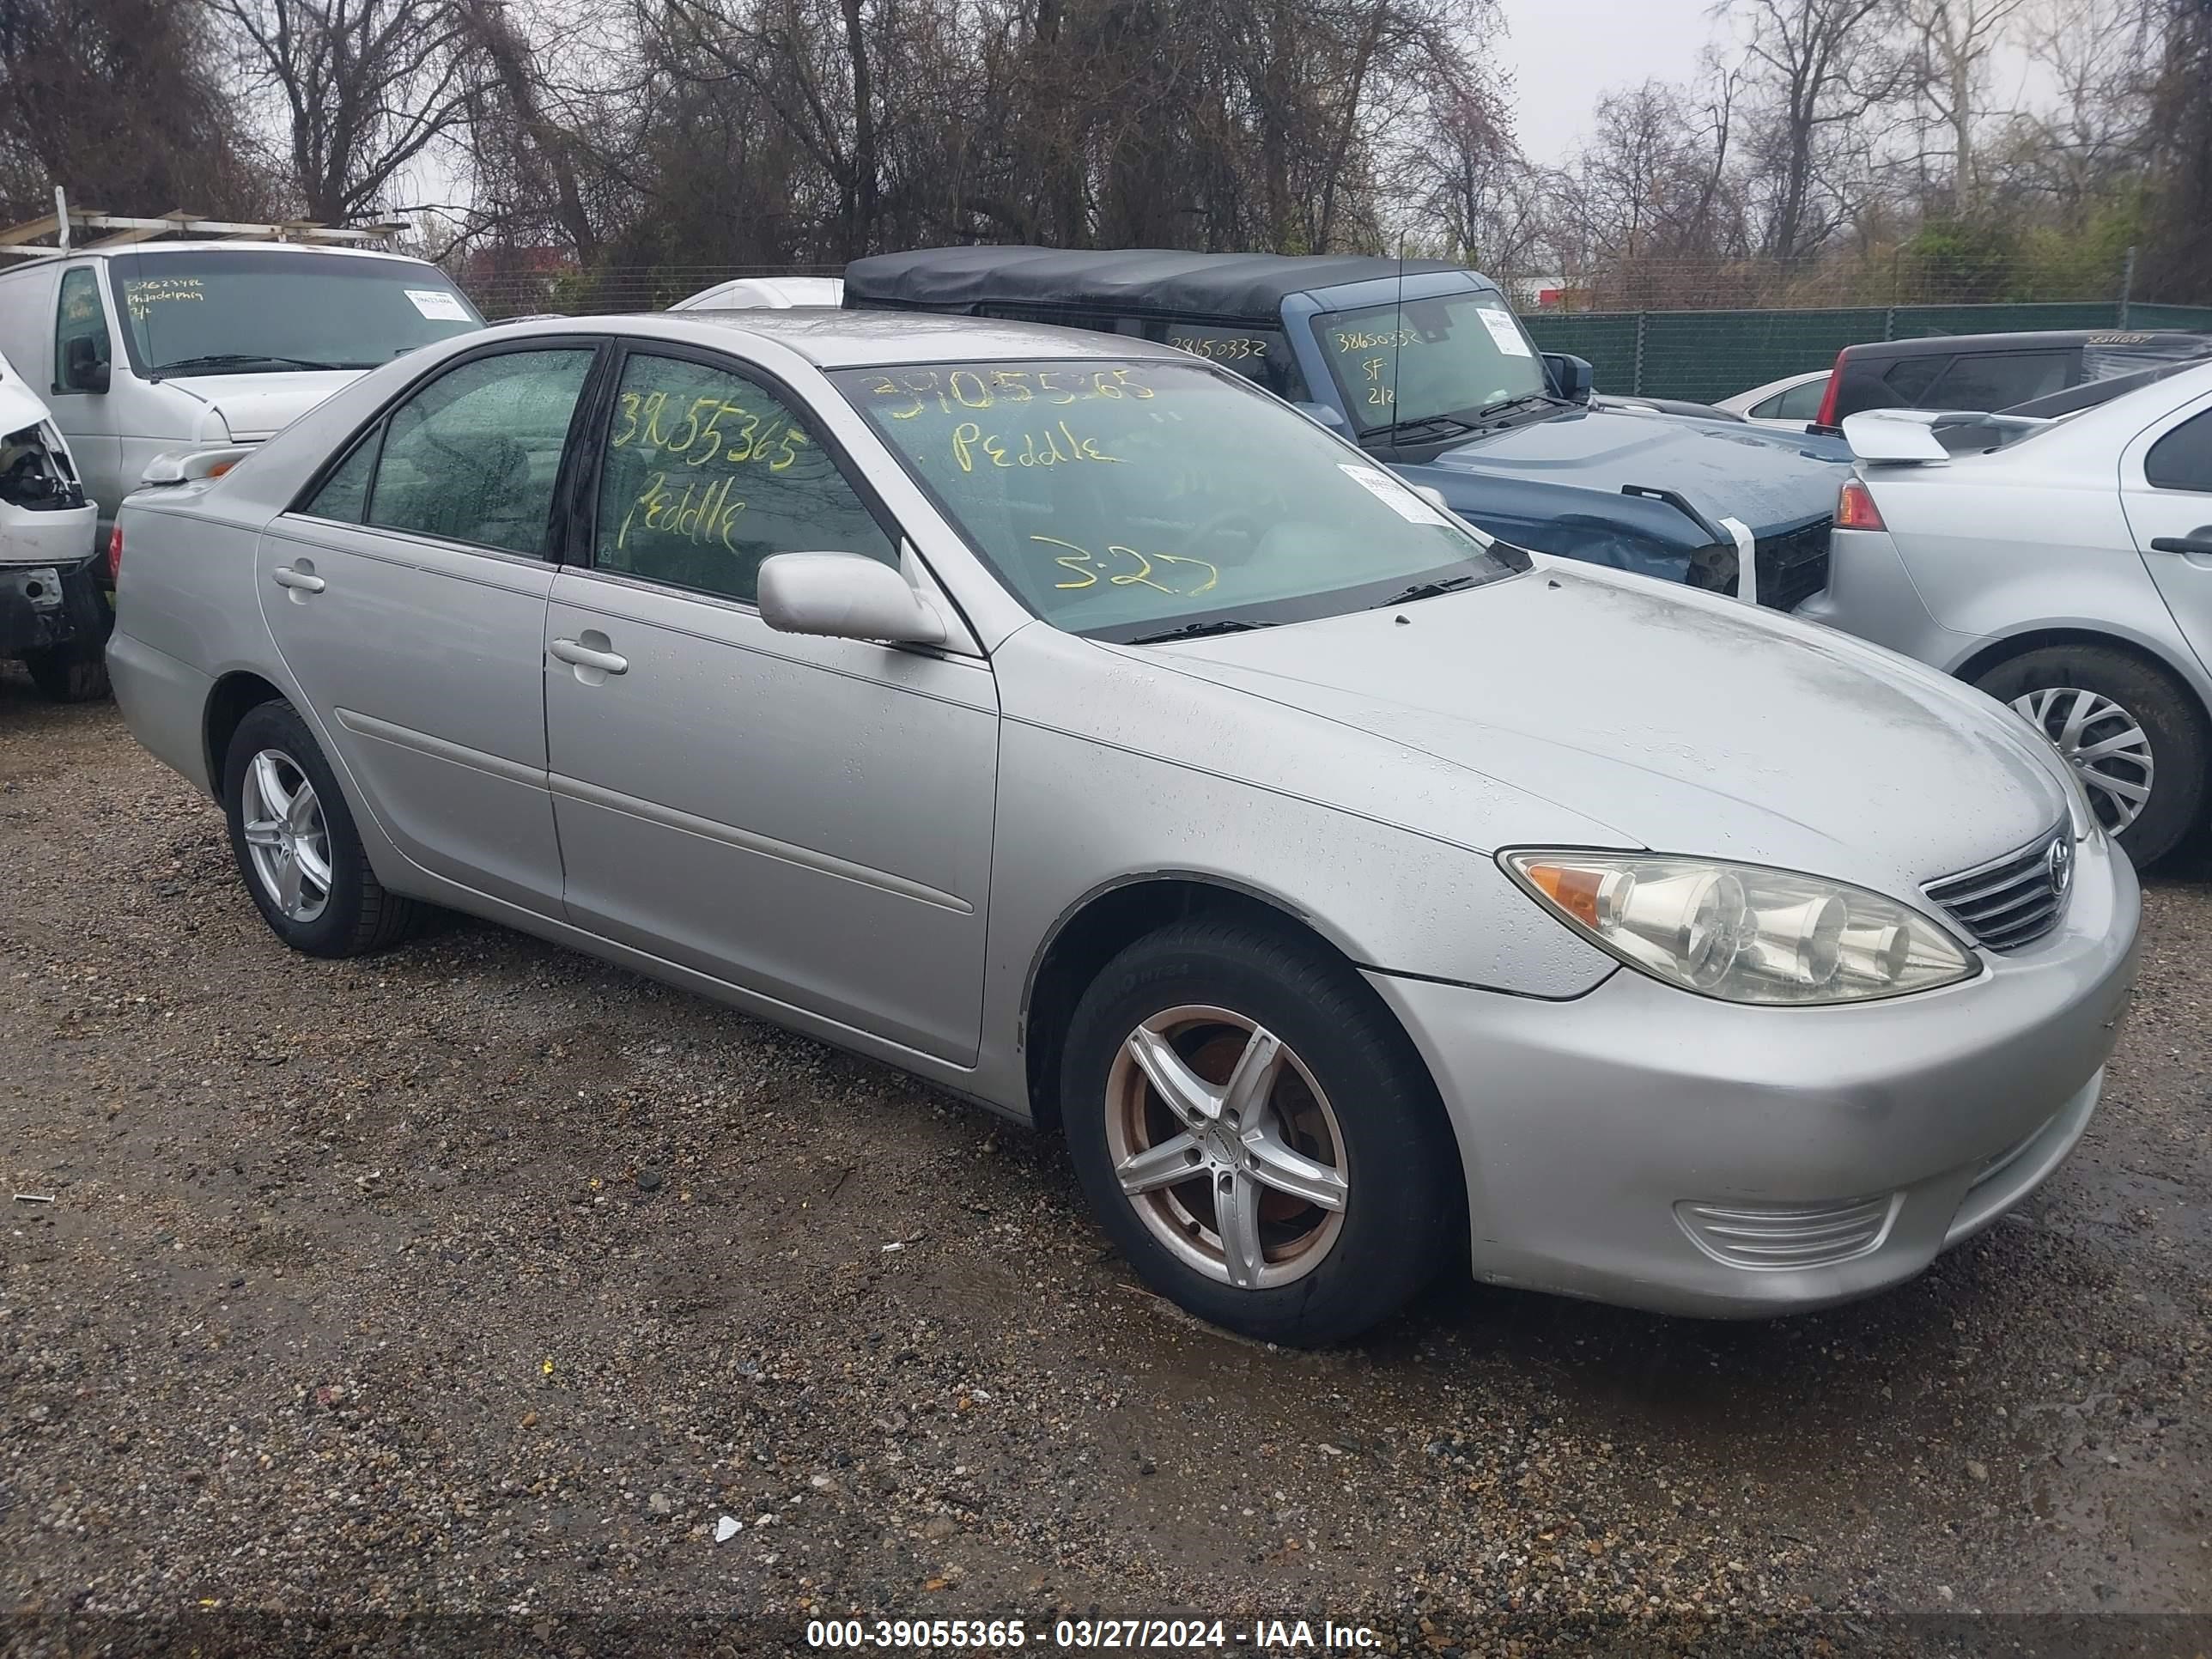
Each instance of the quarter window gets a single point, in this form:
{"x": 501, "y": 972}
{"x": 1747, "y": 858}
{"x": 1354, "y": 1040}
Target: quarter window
{"x": 708, "y": 473}
{"x": 474, "y": 456}
{"x": 1802, "y": 402}
{"x": 2183, "y": 458}
{"x": 81, "y": 351}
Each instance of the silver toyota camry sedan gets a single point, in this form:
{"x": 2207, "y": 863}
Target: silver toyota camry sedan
{"x": 1060, "y": 719}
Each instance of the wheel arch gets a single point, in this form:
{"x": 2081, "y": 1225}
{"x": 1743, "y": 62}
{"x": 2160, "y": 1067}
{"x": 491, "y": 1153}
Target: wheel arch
{"x": 1113, "y": 915}
{"x": 235, "y": 695}
{"x": 1994, "y": 653}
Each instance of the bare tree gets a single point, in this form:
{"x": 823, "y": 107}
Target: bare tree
{"x": 1818, "y": 69}
{"x": 1952, "y": 44}
{"x": 365, "y": 86}
{"x": 122, "y": 104}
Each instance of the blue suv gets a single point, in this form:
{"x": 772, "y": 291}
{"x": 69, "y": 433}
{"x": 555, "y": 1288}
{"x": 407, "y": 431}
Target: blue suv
{"x": 1425, "y": 366}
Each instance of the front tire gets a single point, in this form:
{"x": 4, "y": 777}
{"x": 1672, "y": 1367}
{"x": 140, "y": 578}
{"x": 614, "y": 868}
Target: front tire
{"x": 294, "y": 839}
{"x": 2132, "y": 732}
{"x": 1257, "y": 1135}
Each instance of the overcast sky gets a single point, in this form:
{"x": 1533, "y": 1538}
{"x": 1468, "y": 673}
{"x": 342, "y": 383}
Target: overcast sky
{"x": 1562, "y": 53}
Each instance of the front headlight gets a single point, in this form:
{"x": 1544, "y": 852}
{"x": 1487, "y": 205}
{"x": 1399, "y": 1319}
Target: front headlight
{"x": 1739, "y": 931}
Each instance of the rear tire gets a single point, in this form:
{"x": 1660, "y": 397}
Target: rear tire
{"x": 293, "y": 836}
{"x": 1232, "y": 1219}
{"x": 2128, "y": 727}
{"x": 66, "y": 673}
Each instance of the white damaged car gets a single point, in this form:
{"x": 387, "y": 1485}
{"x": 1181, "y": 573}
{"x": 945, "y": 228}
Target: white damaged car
{"x": 54, "y": 608}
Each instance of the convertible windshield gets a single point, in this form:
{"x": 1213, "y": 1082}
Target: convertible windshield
{"x": 1428, "y": 359}
{"x": 259, "y": 311}
{"x": 1137, "y": 501}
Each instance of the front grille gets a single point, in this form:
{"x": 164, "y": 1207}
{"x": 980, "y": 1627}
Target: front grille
{"x": 2014, "y": 900}
{"x": 1817, "y": 1234}
{"x": 1793, "y": 566}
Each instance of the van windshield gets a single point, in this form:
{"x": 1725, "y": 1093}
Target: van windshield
{"x": 256, "y": 311}
{"x": 1147, "y": 500}
{"x": 1446, "y": 358}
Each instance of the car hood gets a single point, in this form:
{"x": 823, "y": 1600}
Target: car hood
{"x": 19, "y": 406}
{"x": 1685, "y": 723}
{"x": 258, "y": 406}
{"x": 1555, "y": 485}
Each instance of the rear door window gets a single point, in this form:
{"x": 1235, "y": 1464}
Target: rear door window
{"x": 474, "y": 456}
{"x": 1908, "y": 379}
{"x": 1998, "y": 380}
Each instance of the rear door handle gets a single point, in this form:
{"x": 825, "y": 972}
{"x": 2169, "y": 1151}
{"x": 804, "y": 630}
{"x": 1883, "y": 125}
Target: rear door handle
{"x": 2197, "y": 541}
{"x": 579, "y": 654}
{"x": 307, "y": 581}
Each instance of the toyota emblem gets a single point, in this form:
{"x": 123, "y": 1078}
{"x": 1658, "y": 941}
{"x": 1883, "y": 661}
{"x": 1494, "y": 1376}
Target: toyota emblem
{"x": 2060, "y": 863}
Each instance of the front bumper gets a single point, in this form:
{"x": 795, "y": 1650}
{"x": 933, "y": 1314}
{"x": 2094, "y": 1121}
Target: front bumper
{"x": 1645, "y": 1146}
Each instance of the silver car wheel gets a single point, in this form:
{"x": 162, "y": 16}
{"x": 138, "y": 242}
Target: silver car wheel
{"x": 285, "y": 835}
{"x": 2103, "y": 742}
{"x": 1226, "y": 1147}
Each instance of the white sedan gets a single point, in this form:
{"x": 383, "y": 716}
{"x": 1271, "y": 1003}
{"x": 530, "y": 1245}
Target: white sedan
{"x": 1787, "y": 403}
{"x": 2064, "y": 568}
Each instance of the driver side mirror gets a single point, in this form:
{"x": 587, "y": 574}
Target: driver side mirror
{"x": 82, "y": 368}
{"x": 845, "y": 596}
{"x": 1326, "y": 417}
{"x": 1572, "y": 376}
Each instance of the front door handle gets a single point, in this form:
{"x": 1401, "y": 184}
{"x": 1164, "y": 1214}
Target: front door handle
{"x": 581, "y": 655}
{"x": 304, "y": 581}
{"x": 2198, "y": 541}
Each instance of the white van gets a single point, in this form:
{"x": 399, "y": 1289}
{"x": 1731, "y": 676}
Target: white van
{"x": 140, "y": 348}
{"x": 53, "y": 614}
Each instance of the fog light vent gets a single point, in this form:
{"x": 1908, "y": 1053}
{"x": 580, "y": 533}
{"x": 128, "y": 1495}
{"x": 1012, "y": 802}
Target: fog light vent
{"x": 1791, "y": 1236}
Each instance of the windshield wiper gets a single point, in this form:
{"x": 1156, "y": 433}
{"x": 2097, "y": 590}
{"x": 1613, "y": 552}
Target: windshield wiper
{"x": 1453, "y": 424}
{"x": 1427, "y": 590}
{"x": 233, "y": 359}
{"x": 1506, "y": 405}
{"x": 1199, "y": 630}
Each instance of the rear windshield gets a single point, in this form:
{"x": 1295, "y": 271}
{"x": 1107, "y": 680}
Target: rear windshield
{"x": 1421, "y": 360}
{"x": 252, "y": 310}
{"x": 1128, "y": 500}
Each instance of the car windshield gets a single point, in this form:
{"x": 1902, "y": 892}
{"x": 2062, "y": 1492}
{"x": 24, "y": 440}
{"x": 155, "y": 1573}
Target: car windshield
{"x": 254, "y": 311}
{"x": 1448, "y": 358}
{"x": 1139, "y": 500}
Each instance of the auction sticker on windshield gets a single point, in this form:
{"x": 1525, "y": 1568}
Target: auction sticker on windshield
{"x": 1392, "y": 494}
{"x": 438, "y": 306}
{"x": 1504, "y": 330}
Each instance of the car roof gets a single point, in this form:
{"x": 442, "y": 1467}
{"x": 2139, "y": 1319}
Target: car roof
{"x": 1162, "y": 280}
{"x": 2054, "y": 339}
{"x": 233, "y": 246}
{"x": 859, "y": 339}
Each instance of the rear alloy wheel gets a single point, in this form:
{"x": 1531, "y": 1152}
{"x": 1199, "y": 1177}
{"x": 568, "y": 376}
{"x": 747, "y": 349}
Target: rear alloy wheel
{"x": 1256, "y": 1133}
{"x": 2133, "y": 735}
{"x": 293, "y": 836}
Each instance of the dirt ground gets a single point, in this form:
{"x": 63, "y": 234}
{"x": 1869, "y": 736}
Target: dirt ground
{"x": 483, "y": 1279}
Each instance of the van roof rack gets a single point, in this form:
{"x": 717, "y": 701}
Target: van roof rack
{"x": 79, "y": 230}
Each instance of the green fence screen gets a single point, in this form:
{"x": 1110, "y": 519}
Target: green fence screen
{"x": 1709, "y": 355}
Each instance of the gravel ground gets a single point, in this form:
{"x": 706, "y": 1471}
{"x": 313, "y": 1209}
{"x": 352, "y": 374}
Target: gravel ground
{"x": 481, "y": 1278}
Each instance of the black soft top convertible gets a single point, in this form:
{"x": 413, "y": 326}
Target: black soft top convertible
{"x": 1236, "y": 287}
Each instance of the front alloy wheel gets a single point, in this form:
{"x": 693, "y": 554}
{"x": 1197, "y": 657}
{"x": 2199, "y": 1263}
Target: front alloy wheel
{"x": 1257, "y": 1134}
{"x": 1226, "y": 1146}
